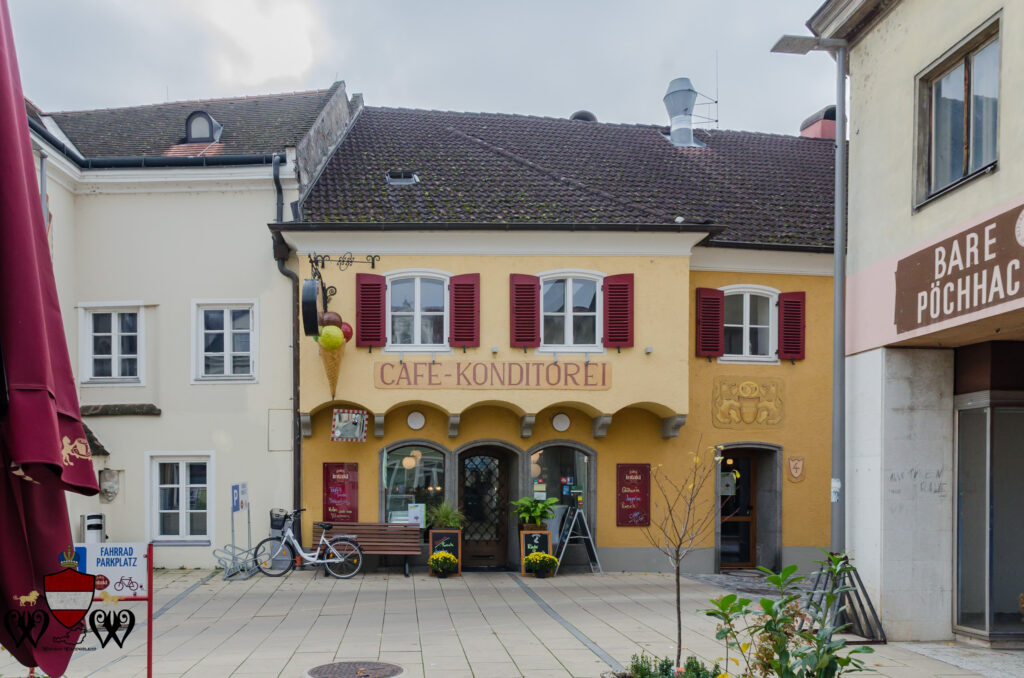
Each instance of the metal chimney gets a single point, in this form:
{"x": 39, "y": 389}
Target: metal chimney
{"x": 679, "y": 100}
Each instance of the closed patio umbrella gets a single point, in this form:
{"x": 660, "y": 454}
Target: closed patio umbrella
{"x": 43, "y": 450}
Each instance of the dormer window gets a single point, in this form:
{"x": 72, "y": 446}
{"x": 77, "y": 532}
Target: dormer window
{"x": 201, "y": 127}
{"x": 402, "y": 178}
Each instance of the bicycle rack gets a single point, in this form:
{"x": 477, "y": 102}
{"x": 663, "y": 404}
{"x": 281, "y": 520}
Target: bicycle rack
{"x": 238, "y": 563}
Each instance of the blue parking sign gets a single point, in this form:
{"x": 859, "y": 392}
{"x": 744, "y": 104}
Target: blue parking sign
{"x": 235, "y": 499}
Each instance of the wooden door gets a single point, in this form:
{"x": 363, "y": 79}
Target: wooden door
{"x": 483, "y": 497}
{"x": 738, "y": 543}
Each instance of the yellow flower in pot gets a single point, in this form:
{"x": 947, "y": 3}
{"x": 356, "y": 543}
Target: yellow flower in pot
{"x": 540, "y": 564}
{"x": 442, "y": 562}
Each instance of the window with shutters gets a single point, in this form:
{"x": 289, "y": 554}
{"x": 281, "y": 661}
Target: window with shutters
{"x": 750, "y": 324}
{"x": 417, "y": 311}
{"x": 571, "y": 311}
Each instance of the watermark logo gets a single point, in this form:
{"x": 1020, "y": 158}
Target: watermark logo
{"x": 117, "y": 625}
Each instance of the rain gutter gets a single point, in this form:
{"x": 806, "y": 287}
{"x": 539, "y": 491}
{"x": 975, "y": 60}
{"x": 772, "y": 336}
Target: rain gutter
{"x": 281, "y": 254}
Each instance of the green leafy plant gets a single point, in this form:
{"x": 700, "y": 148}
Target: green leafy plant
{"x": 444, "y": 515}
{"x": 646, "y": 666}
{"x": 695, "y": 668}
{"x": 540, "y": 562}
{"x": 534, "y": 511}
{"x": 442, "y": 562}
{"x": 773, "y": 641}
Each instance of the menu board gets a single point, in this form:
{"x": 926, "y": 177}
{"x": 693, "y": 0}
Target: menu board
{"x": 341, "y": 492}
{"x": 449, "y": 541}
{"x": 633, "y": 495}
{"x": 533, "y": 542}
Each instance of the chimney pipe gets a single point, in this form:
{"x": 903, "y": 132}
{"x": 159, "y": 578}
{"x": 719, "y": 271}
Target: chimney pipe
{"x": 679, "y": 101}
{"x": 821, "y": 125}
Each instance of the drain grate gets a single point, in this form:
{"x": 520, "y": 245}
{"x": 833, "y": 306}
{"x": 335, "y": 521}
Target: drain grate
{"x": 355, "y": 670}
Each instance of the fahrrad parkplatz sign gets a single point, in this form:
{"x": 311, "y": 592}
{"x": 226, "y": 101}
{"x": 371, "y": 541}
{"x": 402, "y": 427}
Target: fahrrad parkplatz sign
{"x": 120, "y": 568}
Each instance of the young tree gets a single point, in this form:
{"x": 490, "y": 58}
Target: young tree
{"x": 683, "y": 515}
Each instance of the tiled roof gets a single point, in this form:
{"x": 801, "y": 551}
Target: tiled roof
{"x": 252, "y": 125}
{"x": 765, "y": 189}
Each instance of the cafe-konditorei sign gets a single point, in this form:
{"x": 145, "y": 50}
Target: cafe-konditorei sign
{"x": 496, "y": 374}
{"x": 975, "y": 269}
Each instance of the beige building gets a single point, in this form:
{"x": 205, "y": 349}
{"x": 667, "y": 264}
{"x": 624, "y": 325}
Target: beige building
{"x": 172, "y": 308}
{"x": 934, "y": 312}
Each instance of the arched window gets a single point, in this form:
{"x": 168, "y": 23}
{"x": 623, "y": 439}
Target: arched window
{"x": 571, "y": 305}
{"x": 417, "y": 304}
{"x": 566, "y": 473}
{"x": 201, "y": 127}
{"x": 414, "y": 474}
{"x": 751, "y": 323}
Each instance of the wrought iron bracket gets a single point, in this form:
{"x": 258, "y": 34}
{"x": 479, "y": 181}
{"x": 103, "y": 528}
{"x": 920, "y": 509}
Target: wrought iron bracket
{"x": 317, "y": 262}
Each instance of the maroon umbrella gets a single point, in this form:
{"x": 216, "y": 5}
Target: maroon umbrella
{"x": 43, "y": 449}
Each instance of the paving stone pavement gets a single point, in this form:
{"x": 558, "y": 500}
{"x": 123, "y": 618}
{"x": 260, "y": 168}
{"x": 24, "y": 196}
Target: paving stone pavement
{"x": 480, "y": 625}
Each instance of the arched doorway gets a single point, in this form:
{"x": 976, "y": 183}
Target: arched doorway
{"x": 486, "y": 474}
{"x": 749, "y": 530}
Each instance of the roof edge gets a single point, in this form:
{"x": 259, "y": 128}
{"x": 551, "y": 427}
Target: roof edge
{"x": 848, "y": 19}
{"x": 743, "y": 245}
{"x": 328, "y": 226}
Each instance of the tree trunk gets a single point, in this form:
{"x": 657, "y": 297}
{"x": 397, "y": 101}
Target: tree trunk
{"x": 679, "y": 620}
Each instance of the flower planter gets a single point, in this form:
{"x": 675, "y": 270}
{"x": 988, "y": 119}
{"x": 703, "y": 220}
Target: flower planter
{"x": 541, "y": 574}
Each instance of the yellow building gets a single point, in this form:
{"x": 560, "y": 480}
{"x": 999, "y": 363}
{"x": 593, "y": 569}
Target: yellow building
{"x": 539, "y": 302}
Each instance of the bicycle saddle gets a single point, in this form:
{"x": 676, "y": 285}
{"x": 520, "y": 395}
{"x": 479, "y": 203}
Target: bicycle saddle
{"x": 326, "y": 526}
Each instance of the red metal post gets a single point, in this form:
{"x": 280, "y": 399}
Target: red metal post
{"x": 149, "y": 611}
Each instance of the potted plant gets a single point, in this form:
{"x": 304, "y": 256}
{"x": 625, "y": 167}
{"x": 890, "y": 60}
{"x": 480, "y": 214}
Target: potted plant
{"x": 445, "y": 534}
{"x": 445, "y": 516}
{"x": 533, "y": 512}
{"x": 441, "y": 563}
{"x": 540, "y": 564}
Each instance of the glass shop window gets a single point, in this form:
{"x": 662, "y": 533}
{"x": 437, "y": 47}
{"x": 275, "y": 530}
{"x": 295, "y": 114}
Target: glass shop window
{"x": 413, "y": 475}
{"x": 560, "y": 472}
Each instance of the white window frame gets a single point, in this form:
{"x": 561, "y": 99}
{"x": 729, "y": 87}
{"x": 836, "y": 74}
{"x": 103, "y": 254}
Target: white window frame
{"x": 153, "y": 497}
{"x": 417, "y": 273}
{"x": 85, "y": 356}
{"x": 200, "y": 305}
{"x": 578, "y": 274}
{"x": 773, "y": 323}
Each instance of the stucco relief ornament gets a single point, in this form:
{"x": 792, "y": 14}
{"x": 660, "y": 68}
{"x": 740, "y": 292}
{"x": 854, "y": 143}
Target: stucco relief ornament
{"x": 737, "y": 402}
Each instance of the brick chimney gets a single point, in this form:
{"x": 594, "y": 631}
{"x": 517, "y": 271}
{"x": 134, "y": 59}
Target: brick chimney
{"x": 821, "y": 125}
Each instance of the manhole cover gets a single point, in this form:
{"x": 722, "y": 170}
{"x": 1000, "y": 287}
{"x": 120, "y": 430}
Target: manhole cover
{"x": 355, "y": 670}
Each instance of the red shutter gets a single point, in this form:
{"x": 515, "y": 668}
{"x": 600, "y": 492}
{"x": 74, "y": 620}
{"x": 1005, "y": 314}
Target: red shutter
{"x": 371, "y": 317}
{"x": 710, "y": 322}
{"x": 524, "y": 311}
{"x": 618, "y": 310}
{"x": 464, "y": 310}
{"x": 792, "y": 322}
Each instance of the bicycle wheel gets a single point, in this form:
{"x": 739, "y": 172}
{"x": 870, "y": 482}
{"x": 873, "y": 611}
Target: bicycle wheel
{"x": 274, "y": 557}
{"x": 344, "y": 558}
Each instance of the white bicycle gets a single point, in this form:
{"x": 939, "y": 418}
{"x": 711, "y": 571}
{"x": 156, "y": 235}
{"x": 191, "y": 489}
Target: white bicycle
{"x": 340, "y": 556}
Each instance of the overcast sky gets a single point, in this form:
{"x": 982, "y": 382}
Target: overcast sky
{"x": 539, "y": 57}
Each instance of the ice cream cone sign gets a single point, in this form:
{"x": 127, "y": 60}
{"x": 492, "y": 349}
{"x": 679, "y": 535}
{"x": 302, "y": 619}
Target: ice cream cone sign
{"x": 332, "y": 344}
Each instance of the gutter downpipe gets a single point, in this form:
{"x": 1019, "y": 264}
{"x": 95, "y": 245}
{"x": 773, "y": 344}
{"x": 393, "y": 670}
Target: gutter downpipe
{"x": 281, "y": 252}
{"x": 839, "y": 316}
{"x": 277, "y": 186}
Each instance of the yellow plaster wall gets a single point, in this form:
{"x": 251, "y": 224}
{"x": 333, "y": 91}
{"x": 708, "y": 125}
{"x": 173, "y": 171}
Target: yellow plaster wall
{"x": 668, "y": 376}
{"x": 658, "y": 379}
{"x": 806, "y": 430}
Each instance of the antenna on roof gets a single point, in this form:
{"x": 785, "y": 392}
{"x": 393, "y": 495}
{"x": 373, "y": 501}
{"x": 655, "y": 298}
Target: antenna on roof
{"x": 167, "y": 93}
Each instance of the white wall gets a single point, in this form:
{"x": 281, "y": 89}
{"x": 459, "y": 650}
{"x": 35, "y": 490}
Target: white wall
{"x": 166, "y": 241}
{"x": 900, "y": 486}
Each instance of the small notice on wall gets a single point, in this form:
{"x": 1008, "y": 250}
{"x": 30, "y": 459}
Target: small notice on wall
{"x": 633, "y": 495}
{"x": 341, "y": 492}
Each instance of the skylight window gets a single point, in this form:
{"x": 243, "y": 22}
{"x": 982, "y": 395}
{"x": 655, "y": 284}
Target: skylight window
{"x": 402, "y": 178}
{"x": 201, "y": 127}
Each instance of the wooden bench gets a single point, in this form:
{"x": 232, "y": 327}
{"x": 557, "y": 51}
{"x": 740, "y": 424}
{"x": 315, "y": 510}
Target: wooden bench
{"x": 379, "y": 539}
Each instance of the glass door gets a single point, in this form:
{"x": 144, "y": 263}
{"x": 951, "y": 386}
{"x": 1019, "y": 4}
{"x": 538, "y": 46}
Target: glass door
{"x": 738, "y": 488}
{"x": 972, "y": 519}
{"x": 989, "y": 529}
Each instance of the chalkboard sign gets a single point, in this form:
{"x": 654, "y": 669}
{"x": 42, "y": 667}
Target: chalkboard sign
{"x": 341, "y": 492}
{"x": 633, "y": 495}
{"x": 533, "y": 542}
{"x": 449, "y": 541}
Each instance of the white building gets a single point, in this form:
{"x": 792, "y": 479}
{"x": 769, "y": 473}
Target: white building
{"x": 935, "y": 312}
{"x": 172, "y": 303}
